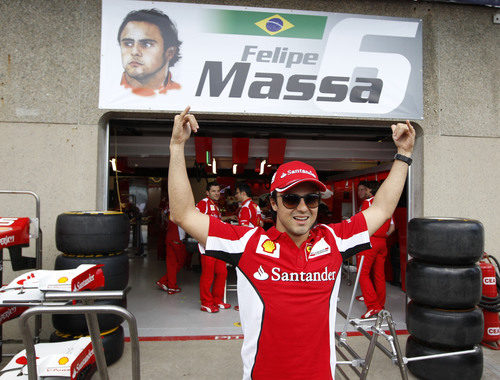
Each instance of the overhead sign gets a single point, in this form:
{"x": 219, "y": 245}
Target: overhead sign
{"x": 222, "y": 59}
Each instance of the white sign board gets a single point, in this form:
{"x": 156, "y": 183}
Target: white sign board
{"x": 224, "y": 59}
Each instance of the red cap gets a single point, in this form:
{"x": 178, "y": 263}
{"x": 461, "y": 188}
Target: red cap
{"x": 292, "y": 173}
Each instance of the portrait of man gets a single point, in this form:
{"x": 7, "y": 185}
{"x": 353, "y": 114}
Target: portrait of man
{"x": 149, "y": 47}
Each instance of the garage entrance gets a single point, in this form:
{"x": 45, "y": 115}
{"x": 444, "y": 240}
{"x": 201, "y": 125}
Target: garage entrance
{"x": 343, "y": 155}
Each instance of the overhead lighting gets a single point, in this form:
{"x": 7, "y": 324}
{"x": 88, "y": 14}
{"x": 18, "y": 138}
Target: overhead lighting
{"x": 214, "y": 166}
{"x": 269, "y": 165}
{"x": 235, "y": 168}
{"x": 262, "y": 165}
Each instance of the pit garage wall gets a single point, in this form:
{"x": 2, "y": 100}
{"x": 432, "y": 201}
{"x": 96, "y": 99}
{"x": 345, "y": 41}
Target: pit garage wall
{"x": 50, "y": 122}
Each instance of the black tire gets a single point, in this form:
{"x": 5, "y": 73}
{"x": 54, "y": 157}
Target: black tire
{"x": 445, "y": 328}
{"x": 465, "y": 366}
{"x": 113, "y": 342}
{"x": 92, "y": 232}
{"x": 115, "y": 269}
{"x": 75, "y": 324}
{"x": 443, "y": 286}
{"x": 448, "y": 241}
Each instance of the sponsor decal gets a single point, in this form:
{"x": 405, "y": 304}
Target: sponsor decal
{"x": 64, "y": 360}
{"x": 278, "y": 275}
{"x": 489, "y": 281}
{"x": 319, "y": 249}
{"x": 7, "y": 240}
{"x": 5, "y": 228}
{"x": 84, "y": 283}
{"x": 5, "y": 222}
{"x": 212, "y": 208}
{"x": 6, "y": 316}
{"x": 261, "y": 274}
{"x": 297, "y": 171}
{"x": 85, "y": 360}
{"x": 268, "y": 247}
{"x": 62, "y": 280}
{"x": 494, "y": 331}
{"x": 308, "y": 248}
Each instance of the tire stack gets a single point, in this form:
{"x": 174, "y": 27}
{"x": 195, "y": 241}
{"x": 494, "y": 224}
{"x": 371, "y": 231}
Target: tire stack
{"x": 443, "y": 282}
{"x": 94, "y": 237}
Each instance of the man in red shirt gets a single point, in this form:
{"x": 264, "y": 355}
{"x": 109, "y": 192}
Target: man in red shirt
{"x": 372, "y": 276}
{"x": 288, "y": 276}
{"x": 213, "y": 271}
{"x": 175, "y": 257}
{"x": 249, "y": 214}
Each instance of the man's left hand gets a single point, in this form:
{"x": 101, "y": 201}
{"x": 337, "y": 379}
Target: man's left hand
{"x": 404, "y": 137}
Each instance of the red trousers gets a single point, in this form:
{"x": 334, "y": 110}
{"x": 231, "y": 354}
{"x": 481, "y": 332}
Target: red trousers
{"x": 213, "y": 276}
{"x": 175, "y": 258}
{"x": 372, "y": 276}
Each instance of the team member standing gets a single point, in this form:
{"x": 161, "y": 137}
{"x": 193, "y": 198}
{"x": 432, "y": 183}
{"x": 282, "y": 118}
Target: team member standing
{"x": 175, "y": 257}
{"x": 249, "y": 214}
{"x": 288, "y": 276}
{"x": 213, "y": 271}
{"x": 372, "y": 276}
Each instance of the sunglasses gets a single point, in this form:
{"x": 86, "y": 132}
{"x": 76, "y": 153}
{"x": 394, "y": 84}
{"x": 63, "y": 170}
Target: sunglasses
{"x": 293, "y": 200}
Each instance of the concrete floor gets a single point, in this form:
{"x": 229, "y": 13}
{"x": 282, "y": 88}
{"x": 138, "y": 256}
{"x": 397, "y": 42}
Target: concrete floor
{"x": 210, "y": 359}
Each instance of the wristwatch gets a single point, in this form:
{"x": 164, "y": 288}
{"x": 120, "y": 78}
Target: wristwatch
{"x": 400, "y": 157}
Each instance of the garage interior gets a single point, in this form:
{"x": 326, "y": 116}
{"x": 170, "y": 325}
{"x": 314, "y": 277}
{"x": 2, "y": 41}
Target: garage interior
{"x": 231, "y": 151}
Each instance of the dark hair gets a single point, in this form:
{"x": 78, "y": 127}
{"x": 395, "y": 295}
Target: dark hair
{"x": 162, "y": 21}
{"x": 244, "y": 188}
{"x": 374, "y": 186}
{"x": 211, "y": 184}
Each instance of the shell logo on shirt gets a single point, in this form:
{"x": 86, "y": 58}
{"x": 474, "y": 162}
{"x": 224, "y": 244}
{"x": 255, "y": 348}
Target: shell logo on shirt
{"x": 269, "y": 246}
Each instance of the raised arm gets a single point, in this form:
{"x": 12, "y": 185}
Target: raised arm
{"x": 182, "y": 208}
{"x": 388, "y": 195}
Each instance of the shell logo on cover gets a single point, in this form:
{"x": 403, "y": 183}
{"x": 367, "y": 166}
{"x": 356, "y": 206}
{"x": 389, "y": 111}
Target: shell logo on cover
{"x": 62, "y": 280}
{"x": 269, "y": 246}
{"x": 64, "y": 360}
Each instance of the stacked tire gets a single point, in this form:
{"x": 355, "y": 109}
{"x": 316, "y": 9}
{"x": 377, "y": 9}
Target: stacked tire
{"x": 443, "y": 282}
{"x": 94, "y": 237}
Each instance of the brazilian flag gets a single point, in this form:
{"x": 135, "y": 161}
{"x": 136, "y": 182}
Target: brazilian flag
{"x": 266, "y": 24}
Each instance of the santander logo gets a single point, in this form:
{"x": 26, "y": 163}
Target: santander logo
{"x": 261, "y": 274}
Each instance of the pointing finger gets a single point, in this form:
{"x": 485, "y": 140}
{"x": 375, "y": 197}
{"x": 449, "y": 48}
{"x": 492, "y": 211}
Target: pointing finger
{"x": 184, "y": 113}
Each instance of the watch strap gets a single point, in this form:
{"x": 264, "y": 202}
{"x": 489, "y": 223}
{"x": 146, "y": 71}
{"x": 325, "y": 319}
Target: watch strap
{"x": 405, "y": 159}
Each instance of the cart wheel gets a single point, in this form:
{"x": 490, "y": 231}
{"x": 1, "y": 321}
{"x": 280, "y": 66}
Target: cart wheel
{"x": 450, "y": 241}
{"x": 457, "y": 287}
{"x": 92, "y": 232}
{"x": 445, "y": 328}
{"x": 468, "y": 366}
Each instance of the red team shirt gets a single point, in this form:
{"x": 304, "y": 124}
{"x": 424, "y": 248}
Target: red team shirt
{"x": 288, "y": 295}
{"x": 249, "y": 214}
{"x": 208, "y": 207}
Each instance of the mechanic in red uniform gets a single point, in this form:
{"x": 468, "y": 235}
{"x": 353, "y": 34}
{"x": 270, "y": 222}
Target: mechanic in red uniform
{"x": 249, "y": 214}
{"x": 213, "y": 271}
{"x": 288, "y": 276}
{"x": 372, "y": 276}
{"x": 175, "y": 256}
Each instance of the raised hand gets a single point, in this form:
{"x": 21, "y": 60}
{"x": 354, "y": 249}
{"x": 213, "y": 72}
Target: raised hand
{"x": 184, "y": 123}
{"x": 404, "y": 137}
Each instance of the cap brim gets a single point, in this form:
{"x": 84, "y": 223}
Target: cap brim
{"x": 318, "y": 183}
